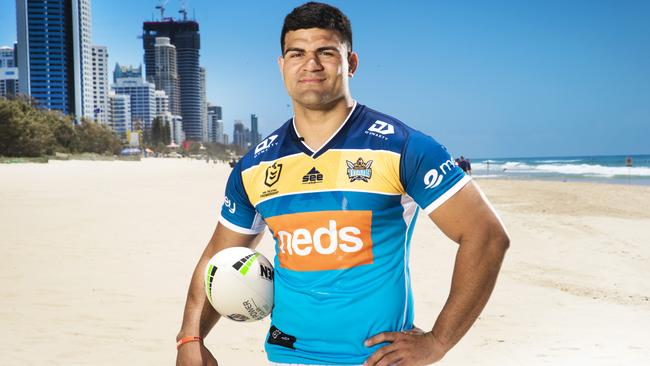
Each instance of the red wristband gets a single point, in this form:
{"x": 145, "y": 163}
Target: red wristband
{"x": 184, "y": 340}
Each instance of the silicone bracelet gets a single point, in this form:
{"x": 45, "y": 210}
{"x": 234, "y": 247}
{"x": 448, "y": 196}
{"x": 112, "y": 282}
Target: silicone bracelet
{"x": 184, "y": 340}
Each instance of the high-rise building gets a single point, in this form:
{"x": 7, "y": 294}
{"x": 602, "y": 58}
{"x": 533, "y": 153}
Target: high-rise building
{"x": 85, "y": 39}
{"x": 176, "y": 129}
{"x": 122, "y": 72}
{"x": 162, "y": 103}
{"x": 100, "y": 83}
{"x": 184, "y": 35}
{"x": 8, "y": 72}
{"x": 239, "y": 137}
{"x": 166, "y": 76}
{"x": 119, "y": 113}
{"x": 143, "y": 100}
{"x": 255, "y": 135}
{"x": 7, "y": 57}
{"x": 215, "y": 124}
{"x": 162, "y": 108}
{"x": 54, "y": 54}
{"x": 204, "y": 106}
{"x": 8, "y": 81}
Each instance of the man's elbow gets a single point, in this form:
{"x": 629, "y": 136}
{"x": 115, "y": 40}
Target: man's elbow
{"x": 499, "y": 240}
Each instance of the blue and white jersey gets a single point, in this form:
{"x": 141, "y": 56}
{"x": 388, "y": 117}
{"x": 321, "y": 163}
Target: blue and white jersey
{"x": 342, "y": 218}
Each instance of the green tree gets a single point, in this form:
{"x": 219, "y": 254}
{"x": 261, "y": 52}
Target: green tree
{"x": 166, "y": 134}
{"x": 96, "y": 138}
{"x": 24, "y": 130}
{"x": 156, "y": 132}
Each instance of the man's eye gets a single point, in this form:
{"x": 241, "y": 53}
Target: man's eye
{"x": 327, "y": 53}
{"x": 295, "y": 54}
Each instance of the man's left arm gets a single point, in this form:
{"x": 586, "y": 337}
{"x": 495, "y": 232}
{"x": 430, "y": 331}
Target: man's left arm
{"x": 468, "y": 219}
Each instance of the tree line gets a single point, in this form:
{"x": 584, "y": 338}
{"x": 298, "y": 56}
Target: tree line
{"x": 27, "y": 131}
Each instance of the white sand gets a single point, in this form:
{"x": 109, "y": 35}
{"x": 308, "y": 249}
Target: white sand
{"x": 96, "y": 259}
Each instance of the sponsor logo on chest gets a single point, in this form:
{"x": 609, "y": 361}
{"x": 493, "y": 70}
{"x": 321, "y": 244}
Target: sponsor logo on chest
{"x": 312, "y": 177}
{"x": 325, "y": 240}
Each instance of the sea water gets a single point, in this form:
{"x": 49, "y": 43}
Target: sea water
{"x": 607, "y": 169}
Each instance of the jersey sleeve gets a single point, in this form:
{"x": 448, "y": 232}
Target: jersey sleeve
{"x": 428, "y": 172}
{"x": 237, "y": 212}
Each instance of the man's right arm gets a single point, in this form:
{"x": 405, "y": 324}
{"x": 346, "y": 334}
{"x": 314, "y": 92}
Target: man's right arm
{"x": 199, "y": 316}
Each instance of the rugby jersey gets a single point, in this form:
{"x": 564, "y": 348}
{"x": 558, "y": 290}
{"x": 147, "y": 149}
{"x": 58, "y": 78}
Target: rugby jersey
{"x": 342, "y": 218}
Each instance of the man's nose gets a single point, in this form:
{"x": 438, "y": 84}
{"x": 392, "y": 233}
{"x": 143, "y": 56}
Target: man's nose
{"x": 312, "y": 62}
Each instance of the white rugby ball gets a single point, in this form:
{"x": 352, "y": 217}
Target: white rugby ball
{"x": 239, "y": 284}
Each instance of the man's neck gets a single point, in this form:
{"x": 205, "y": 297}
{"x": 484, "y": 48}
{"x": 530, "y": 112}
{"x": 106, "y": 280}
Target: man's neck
{"x": 317, "y": 126}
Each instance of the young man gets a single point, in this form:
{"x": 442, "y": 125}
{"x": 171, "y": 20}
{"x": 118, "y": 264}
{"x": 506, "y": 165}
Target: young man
{"x": 339, "y": 186}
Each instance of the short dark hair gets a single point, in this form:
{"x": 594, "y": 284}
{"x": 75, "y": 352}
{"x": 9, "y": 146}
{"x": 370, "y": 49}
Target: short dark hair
{"x": 317, "y": 15}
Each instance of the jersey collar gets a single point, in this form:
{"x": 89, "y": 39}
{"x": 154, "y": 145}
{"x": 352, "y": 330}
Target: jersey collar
{"x": 316, "y": 153}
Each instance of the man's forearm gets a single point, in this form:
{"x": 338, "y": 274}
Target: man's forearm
{"x": 475, "y": 273}
{"x": 199, "y": 316}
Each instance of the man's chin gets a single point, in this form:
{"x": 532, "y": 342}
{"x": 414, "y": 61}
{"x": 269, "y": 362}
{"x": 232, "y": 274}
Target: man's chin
{"x": 315, "y": 101}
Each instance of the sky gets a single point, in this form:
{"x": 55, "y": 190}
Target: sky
{"x": 489, "y": 78}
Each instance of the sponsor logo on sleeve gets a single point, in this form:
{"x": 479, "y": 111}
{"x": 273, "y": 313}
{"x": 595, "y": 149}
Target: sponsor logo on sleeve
{"x": 232, "y": 207}
{"x": 265, "y": 145}
{"x": 324, "y": 240}
{"x": 433, "y": 178}
{"x": 381, "y": 129}
{"x": 312, "y": 177}
{"x": 360, "y": 170}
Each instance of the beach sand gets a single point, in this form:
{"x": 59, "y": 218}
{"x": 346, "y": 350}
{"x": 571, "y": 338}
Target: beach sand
{"x": 97, "y": 256}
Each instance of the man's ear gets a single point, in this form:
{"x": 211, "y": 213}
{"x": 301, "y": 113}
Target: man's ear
{"x": 353, "y": 63}
{"x": 281, "y": 66}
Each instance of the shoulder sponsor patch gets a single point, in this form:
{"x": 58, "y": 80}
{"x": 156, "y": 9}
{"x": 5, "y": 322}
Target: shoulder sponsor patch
{"x": 381, "y": 129}
{"x": 265, "y": 145}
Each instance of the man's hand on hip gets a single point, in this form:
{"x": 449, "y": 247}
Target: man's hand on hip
{"x": 408, "y": 348}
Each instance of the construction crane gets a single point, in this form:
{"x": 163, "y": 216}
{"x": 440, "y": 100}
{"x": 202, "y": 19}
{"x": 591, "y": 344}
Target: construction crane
{"x": 183, "y": 9}
{"x": 161, "y": 7}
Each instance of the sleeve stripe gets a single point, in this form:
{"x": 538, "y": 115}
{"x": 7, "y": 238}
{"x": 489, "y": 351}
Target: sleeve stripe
{"x": 239, "y": 229}
{"x": 447, "y": 195}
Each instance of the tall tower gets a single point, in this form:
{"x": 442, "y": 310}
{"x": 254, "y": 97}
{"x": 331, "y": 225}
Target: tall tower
{"x": 255, "y": 135}
{"x": 184, "y": 35}
{"x": 239, "y": 134}
{"x": 100, "y": 83}
{"x": 215, "y": 124}
{"x": 166, "y": 75}
{"x": 204, "y": 106}
{"x": 84, "y": 27}
{"x": 54, "y": 54}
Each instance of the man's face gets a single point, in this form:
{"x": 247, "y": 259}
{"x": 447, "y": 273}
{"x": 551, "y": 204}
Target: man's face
{"x": 316, "y": 67}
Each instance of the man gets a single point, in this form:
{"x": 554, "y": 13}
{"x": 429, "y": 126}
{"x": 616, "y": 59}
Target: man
{"x": 339, "y": 187}
{"x": 462, "y": 163}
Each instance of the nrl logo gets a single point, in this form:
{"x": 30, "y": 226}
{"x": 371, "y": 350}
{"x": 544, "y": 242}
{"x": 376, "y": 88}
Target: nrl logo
{"x": 359, "y": 170}
{"x": 273, "y": 174}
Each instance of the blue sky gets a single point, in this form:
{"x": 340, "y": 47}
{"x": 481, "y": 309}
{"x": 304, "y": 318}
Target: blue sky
{"x": 486, "y": 78}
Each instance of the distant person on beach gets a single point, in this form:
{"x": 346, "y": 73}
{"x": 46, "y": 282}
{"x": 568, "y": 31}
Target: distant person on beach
{"x": 469, "y": 166}
{"x": 462, "y": 163}
{"x": 339, "y": 186}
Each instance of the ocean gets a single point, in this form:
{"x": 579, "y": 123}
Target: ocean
{"x": 604, "y": 169}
